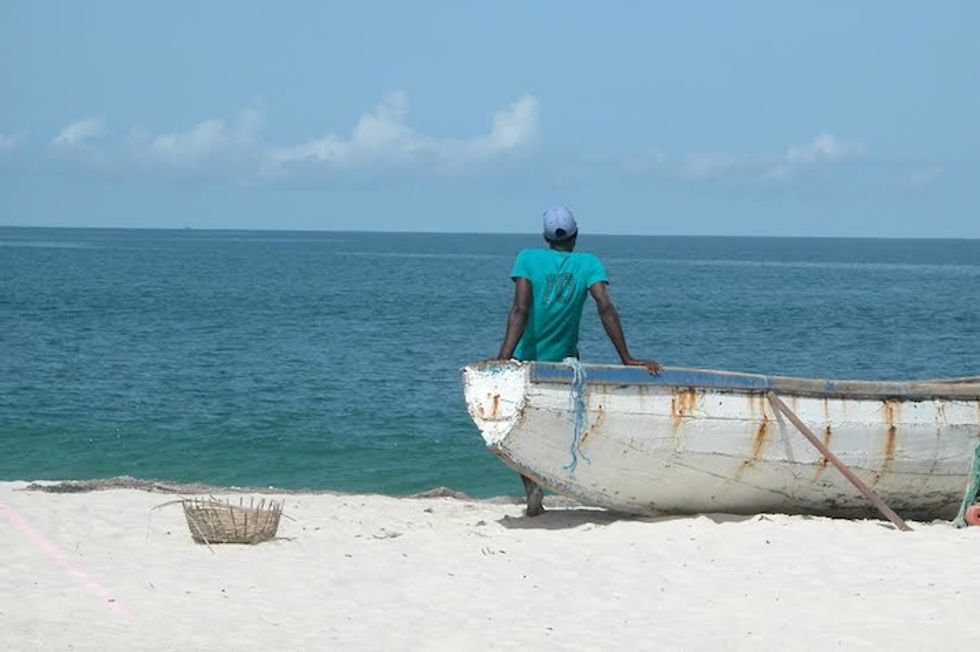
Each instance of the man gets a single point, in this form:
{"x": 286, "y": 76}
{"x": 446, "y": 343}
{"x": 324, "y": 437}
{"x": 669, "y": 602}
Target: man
{"x": 550, "y": 287}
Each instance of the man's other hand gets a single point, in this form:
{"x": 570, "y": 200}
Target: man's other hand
{"x": 651, "y": 365}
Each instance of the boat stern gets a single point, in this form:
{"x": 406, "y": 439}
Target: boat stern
{"x": 494, "y": 393}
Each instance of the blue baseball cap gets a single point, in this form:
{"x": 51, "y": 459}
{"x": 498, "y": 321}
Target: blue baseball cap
{"x": 559, "y": 224}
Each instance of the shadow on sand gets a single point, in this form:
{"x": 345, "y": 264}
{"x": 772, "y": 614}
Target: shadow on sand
{"x": 563, "y": 518}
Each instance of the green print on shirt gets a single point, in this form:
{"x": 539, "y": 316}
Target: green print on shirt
{"x": 558, "y": 287}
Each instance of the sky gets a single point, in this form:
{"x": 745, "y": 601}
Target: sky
{"x": 694, "y": 118}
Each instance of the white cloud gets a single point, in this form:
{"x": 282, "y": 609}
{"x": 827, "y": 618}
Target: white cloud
{"x": 384, "y": 137}
{"x": 10, "y": 142}
{"x": 210, "y": 144}
{"x": 822, "y": 150}
{"x": 78, "y": 133}
{"x": 512, "y": 128}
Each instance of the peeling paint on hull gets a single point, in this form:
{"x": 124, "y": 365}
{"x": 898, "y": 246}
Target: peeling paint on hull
{"x": 668, "y": 444}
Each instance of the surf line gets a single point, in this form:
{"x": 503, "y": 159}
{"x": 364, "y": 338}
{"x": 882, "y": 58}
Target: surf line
{"x": 61, "y": 559}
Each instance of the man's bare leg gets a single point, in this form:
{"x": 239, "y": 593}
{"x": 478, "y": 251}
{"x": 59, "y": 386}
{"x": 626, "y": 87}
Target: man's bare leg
{"x": 535, "y": 496}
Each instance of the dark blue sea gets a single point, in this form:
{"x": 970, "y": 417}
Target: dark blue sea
{"x": 331, "y": 360}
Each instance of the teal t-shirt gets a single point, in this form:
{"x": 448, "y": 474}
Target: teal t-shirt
{"x": 560, "y": 282}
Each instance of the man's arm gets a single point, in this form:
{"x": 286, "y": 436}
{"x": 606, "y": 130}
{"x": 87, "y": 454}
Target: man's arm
{"x": 516, "y": 318}
{"x": 614, "y": 329}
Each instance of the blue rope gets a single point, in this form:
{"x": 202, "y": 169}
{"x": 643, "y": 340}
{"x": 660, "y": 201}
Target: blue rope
{"x": 576, "y": 401}
{"x": 972, "y": 490}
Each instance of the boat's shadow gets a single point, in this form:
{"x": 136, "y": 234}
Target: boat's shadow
{"x": 565, "y": 518}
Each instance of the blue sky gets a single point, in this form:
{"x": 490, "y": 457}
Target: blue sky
{"x": 751, "y": 118}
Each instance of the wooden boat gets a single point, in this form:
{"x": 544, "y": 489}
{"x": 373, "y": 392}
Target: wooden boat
{"x": 693, "y": 440}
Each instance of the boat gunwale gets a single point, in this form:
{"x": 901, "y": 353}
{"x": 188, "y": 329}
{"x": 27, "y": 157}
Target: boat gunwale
{"x": 750, "y": 383}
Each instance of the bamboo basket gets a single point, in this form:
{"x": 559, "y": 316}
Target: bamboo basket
{"x": 215, "y": 521}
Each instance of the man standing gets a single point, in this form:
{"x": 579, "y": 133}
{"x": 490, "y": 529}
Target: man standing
{"x": 550, "y": 287}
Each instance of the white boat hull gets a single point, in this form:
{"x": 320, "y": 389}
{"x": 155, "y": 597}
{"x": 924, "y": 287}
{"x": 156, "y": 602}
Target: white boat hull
{"x": 717, "y": 445}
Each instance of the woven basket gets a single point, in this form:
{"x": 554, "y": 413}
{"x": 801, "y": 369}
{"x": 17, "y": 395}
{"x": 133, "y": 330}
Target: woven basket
{"x": 216, "y": 521}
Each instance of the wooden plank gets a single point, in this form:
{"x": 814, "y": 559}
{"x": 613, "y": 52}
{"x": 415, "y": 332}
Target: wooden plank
{"x": 868, "y": 493}
{"x": 950, "y": 389}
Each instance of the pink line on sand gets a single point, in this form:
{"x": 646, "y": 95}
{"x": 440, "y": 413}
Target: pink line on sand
{"x": 60, "y": 558}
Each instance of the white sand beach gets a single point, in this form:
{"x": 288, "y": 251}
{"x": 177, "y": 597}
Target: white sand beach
{"x": 101, "y": 571}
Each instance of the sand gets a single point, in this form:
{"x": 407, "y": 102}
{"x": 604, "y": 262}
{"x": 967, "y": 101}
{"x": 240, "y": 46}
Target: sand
{"x": 100, "y": 571}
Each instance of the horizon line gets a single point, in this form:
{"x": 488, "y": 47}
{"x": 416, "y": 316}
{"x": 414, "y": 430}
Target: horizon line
{"x": 492, "y": 233}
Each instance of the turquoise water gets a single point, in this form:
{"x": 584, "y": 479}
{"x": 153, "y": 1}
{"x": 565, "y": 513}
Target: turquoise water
{"x": 330, "y": 360}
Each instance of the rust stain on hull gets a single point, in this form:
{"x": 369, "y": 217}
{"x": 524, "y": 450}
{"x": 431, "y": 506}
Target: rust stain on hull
{"x": 828, "y": 433}
{"x": 760, "y": 439}
{"x": 600, "y": 416}
{"x": 758, "y": 445}
{"x": 890, "y": 444}
{"x": 682, "y": 404}
{"x": 892, "y": 417}
{"x": 494, "y": 409}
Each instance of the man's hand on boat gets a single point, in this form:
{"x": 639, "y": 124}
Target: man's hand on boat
{"x": 651, "y": 365}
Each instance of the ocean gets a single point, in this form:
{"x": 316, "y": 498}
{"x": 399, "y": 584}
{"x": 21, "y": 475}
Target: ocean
{"x": 321, "y": 360}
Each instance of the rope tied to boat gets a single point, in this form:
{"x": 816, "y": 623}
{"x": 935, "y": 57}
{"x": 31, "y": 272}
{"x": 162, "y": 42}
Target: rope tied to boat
{"x": 576, "y": 406}
{"x": 972, "y": 490}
